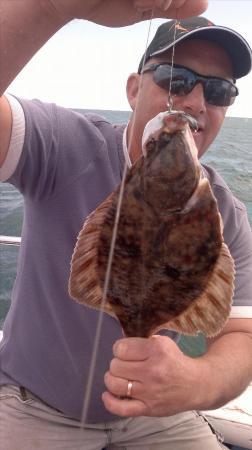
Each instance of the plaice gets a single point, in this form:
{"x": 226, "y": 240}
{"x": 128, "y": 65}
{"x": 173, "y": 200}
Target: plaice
{"x": 171, "y": 268}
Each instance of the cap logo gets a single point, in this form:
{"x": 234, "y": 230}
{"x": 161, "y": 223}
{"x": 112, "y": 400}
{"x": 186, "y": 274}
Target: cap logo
{"x": 179, "y": 27}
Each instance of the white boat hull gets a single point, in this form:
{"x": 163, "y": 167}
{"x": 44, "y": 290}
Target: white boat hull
{"x": 234, "y": 420}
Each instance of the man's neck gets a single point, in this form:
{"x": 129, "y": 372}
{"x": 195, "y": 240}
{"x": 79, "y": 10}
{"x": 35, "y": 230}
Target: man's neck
{"x": 132, "y": 146}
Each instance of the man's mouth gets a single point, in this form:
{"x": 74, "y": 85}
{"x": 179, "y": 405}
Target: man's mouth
{"x": 198, "y": 131}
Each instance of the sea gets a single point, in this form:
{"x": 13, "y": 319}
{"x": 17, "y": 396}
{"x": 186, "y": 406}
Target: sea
{"x": 230, "y": 155}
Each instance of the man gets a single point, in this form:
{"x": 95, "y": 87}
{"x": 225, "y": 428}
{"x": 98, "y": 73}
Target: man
{"x": 66, "y": 165}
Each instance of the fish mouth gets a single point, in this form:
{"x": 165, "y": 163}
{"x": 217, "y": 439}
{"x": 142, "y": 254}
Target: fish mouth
{"x": 170, "y": 121}
{"x": 194, "y": 129}
{"x": 195, "y": 126}
{"x": 186, "y": 117}
{"x": 192, "y": 122}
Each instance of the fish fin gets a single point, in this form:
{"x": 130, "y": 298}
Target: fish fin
{"x": 209, "y": 313}
{"x": 83, "y": 283}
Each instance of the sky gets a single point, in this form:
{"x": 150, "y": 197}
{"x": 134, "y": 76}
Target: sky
{"x": 85, "y": 65}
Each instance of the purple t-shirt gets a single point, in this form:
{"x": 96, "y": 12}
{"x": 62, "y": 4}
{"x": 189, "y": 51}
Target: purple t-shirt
{"x": 69, "y": 165}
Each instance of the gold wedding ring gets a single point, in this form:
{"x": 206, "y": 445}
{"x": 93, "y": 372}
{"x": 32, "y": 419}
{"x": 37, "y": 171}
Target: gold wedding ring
{"x": 129, "y": 388}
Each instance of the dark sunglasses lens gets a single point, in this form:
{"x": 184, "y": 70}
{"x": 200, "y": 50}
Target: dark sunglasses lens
{"x": 183, "y": 80}
{"x": 220, "y": 92}
{"x": 162, "y": 76}
{"x": 217, "y": 92}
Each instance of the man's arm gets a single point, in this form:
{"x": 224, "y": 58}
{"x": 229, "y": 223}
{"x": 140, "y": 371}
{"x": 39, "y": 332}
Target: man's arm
{"x": 5, "y": 128}
{"x": 166, "y": 382}
{"x": 24, "y": 27}
{"x": 229, "y": 361}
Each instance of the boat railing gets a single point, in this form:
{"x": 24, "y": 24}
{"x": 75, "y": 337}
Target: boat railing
{"x": 10, "y": 240}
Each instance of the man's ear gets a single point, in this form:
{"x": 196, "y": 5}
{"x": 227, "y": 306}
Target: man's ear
{"x": 132, "y": 89}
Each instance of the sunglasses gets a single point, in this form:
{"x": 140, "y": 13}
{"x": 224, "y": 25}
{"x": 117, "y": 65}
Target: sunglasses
{"x": 217, "y": 91}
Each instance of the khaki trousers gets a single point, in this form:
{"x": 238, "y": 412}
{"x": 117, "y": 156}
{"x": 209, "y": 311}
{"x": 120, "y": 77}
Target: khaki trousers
{"x": 29, "y": 424}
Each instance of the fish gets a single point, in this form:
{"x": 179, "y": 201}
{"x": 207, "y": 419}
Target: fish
{"x": 171, "y": 268}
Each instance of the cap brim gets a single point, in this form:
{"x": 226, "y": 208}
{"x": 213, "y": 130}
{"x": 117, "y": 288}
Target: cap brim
{"x": 235, "y": 45}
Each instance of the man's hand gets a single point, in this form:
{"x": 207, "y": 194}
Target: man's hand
{"x": 166, "y": 382}
{"x": 164, "y": 379}
{"x": 116, "y": 13}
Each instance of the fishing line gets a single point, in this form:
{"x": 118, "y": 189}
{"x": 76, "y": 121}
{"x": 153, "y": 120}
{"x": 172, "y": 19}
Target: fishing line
{"x": 115, "y": 228}
{"x": 143, "y": 282}
{"x": 109, "y": 265}
{"x": 170, "y": 99}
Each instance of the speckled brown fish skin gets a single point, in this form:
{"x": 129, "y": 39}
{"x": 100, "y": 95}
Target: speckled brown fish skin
{"x": 162, "y": 256}
{"x": 168, "y": 244}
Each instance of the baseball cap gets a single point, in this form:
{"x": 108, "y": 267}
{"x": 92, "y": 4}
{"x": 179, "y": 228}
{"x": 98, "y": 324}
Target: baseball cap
{"x": 235, "y": 45}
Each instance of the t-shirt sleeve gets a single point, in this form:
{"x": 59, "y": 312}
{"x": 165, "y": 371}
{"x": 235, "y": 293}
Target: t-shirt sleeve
{"x": 17, "y": 139}
{"x": 58, "y": 145}
{"x": 238, "y": 236}
{"x": 241, "y": 250}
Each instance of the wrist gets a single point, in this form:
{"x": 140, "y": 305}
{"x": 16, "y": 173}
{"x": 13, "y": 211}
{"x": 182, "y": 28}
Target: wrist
{"x": 210, "y": 393}
{"x": 203, "y": 394}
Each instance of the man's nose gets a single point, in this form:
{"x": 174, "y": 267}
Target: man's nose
{"x": 194, "y": 102}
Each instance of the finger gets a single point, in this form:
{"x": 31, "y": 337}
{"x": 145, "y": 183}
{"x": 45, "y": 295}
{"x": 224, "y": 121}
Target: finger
{"x": 140, "y": 349}
{"x": 146, "y": 5}
{"x": 129, "y": 370}
{"x": 123, "y": 408}
{"x": 173, "y": 8}
{"x": 132, "y": 349}
{"x": 143, "y": 5}
{"x": 163, "y": 5}
{"x": 119, "y": 386}
{"x": 188, "y": 8}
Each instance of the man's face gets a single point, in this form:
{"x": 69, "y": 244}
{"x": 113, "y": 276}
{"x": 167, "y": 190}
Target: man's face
{"x": 147, "y": 99}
